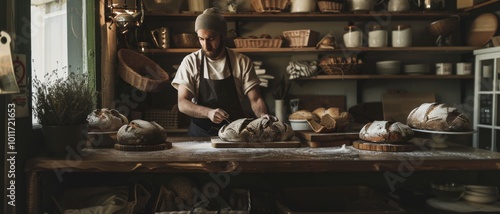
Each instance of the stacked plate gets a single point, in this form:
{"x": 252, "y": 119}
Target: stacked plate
{"x": 417, "y": 69}
{"x": 388, "y": 67}
{"x": 481, "y": 194}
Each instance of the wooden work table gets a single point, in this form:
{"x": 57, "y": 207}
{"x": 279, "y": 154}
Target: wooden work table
{"x": 190, "y": 155}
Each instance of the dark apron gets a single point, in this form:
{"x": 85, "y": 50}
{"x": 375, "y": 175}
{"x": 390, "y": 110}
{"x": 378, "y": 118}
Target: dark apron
{"x": 216, "y": 94}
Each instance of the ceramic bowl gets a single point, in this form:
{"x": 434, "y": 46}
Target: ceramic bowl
{"x": 300, "y": 125}
{"x": 448, "y": 191}
{"x": 388, "y": 67}
{"x": 480, "y": 199}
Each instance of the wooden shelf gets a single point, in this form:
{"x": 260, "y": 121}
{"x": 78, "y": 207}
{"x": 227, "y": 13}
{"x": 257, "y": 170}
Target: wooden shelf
{"x": 433, "y": 49}
{"x": 484, "y": 4}
{"x": 285, "y": 16}
{"x": 379, "y": 76}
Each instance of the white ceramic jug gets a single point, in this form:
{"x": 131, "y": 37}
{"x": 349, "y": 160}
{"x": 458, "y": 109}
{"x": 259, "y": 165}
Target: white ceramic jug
{"x": 398, "y": 6}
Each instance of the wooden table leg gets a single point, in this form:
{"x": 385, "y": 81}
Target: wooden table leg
{"x": 33, "y": 193}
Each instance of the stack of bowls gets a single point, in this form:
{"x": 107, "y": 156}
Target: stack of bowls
{"x": 389, "y": 67}
{"x": 448, "y": 191}
{"x": 481, "y": 194}
{"x": 417, "y": 69}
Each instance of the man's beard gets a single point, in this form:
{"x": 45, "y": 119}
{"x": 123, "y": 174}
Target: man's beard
{"x": 215, "y": 53}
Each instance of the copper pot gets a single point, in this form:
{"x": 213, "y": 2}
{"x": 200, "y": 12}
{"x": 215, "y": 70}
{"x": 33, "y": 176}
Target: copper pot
{"x": 186, "y": 40}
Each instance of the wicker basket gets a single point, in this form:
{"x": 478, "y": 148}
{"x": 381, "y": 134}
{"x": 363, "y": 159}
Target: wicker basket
{"x": 269, "y": 5}
{"x": 334, "y": 65}
{"x": 168, "y": 119}
{"x": 257, "y": 43}
{"x": 141, "y": 72}
{"x": 329, "y": 6}
{"x": 301, "y": 38}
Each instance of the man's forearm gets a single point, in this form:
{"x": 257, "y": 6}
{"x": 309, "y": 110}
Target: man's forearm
{"x": 193, "y": 110}
{"x": 259, "y": 108}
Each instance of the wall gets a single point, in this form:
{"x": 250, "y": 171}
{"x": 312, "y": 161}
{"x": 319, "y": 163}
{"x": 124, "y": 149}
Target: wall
{"x": 25, "y": 148}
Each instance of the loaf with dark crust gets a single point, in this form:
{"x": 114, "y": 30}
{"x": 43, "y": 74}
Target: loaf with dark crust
{"x": 386, "y": 132}
{"x": 105, "y": 119}
{"x": 438, "y": 117}
{"x": 263, "y": 129}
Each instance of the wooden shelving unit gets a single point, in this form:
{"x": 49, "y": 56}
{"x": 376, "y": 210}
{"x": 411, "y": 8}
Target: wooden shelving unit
{"x": 379, "y": 76}
{"x": 449, "y": 49}
{"x": 317, "y": 16}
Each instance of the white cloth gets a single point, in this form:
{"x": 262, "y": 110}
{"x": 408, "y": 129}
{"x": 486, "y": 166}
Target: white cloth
{"x": 244, "y": 74}
{"x": 301, "y": 69}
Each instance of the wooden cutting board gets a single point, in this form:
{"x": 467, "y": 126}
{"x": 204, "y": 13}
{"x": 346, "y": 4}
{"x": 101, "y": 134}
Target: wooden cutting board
{"x": 219, "y": 143}
{"x": 315, "y": 140}
{"x": 383, "y": 147}
{"x": 143, "y": 148}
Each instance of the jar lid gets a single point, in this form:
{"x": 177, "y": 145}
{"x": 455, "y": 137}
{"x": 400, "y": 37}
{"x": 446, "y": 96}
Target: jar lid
{"x": 377, "y": 27}
{"x": 351, "y": 28}
{"x": 401, "y": 27}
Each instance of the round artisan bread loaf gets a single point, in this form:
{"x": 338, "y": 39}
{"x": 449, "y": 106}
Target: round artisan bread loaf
{"x": 386, "y": 132}
{"x": 438, "y": 117}
{"x": 302, "y": 115}
{"x": 334, "y": 118}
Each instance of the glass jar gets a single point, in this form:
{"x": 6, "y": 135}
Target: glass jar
{"x": 401, "y": 36}
{"x": 377, "y": 37}
{"x": 352, "y": 36}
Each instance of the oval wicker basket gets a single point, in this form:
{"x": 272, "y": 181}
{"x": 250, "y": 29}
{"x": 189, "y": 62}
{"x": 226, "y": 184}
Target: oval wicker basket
{"x": 141, "y": 72}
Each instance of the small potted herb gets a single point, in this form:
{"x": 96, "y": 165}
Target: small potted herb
{"x": 62, "y": 105}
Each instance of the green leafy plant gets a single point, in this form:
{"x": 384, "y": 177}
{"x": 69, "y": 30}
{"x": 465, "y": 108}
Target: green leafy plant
{"x": 63, "y": 101}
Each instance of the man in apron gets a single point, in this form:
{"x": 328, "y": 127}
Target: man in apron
{"x": 213, "y": 82}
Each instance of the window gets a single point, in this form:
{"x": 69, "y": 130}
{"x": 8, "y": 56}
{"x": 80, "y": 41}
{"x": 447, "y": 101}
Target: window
{"x": 59, "y": 38}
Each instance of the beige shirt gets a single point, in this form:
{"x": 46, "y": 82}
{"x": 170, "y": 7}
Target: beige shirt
{"x": 244, "y": 74}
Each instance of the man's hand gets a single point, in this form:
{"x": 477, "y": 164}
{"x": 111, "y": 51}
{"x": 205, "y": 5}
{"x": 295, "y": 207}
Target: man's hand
{"x": 217, "y": 115}
{"x": 269, "y": 117}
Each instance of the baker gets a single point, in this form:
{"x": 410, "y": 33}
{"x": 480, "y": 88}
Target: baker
{"x": 215, "y": 83}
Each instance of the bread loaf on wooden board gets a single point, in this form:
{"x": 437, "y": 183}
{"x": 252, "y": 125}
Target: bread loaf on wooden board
{"x": 386, "y": 132}
{"x": 323, "y": 119}
{"x": 438, "y": 117}
{"x": 256, "y": 130}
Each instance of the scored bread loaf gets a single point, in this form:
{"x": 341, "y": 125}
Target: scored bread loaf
{"x": 438, "y": 117}
{"x": 333, "y": 118}
{"x": 302, "y": 115}
{"x": 386, "y": 132}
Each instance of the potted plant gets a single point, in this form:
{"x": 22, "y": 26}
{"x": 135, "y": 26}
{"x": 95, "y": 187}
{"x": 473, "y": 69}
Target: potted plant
{"x": 62, "y": 105}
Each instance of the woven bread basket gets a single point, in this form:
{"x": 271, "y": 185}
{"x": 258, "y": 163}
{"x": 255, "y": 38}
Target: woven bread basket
{"x": 141, "y": 72}
{"x": 258, "y": 43}
{"x": 269, "y": 5}
{"x": 329, "y": 6}
{"x": 335, "y": 65}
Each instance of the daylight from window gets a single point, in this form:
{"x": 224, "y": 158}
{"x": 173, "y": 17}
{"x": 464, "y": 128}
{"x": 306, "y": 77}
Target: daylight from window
{"x": 50, "y": 38}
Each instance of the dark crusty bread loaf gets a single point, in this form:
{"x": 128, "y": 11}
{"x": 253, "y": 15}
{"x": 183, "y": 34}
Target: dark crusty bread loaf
{"x": 386, "y": 132}
{"x": 438, "y": 117}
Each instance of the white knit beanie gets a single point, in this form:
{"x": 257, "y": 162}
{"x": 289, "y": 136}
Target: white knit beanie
{"x": 211, "y": 19}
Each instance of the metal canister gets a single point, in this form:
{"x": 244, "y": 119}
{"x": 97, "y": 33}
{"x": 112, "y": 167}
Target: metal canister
{"x": 161, "y": 37}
